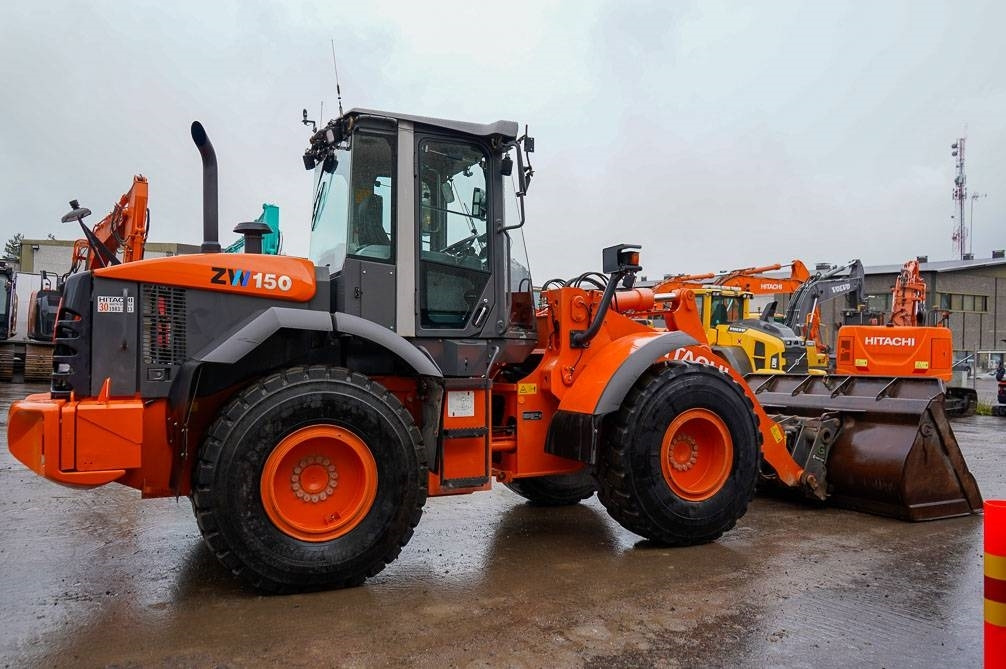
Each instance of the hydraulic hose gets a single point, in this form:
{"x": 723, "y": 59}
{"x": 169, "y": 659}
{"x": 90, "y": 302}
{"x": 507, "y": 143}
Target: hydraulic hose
{"x": 582, "y": 338}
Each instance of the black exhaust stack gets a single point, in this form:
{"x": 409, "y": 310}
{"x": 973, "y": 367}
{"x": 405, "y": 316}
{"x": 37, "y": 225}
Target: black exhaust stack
{"x": 211, "y": 231}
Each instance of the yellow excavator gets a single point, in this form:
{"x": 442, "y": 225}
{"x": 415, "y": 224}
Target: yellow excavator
{"x": 757, "y": 343}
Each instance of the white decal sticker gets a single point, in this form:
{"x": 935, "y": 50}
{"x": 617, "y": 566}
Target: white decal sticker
{"x": 110, "y": 305}
{"x": 460, "y": 403}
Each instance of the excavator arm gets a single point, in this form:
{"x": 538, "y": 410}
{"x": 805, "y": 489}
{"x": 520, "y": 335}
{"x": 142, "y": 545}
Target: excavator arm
{"x": 803, "y": 315}
{"x": 908, "y": 297}
{"x": 124, "y": 228}
{"x": 754, "y": 280}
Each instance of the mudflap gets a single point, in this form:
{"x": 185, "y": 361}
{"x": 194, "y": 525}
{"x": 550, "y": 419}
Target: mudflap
{"x": 888, "y": 449}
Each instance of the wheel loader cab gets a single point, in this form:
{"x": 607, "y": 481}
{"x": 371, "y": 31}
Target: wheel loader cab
{"x": 410, "y": 220}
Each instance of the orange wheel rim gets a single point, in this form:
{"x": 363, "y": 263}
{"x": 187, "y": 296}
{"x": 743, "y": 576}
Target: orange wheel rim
{"x": 696, "y": 454}
{"x": 319, "y": 483}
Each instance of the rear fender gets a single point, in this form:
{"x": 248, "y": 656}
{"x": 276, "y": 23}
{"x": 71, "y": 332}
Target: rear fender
{"x": 265, "y": 324}
{"x": 236, "y": 351}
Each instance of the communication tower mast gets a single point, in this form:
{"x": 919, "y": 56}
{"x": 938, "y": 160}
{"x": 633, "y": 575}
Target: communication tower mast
{"x": 960, "y": 196}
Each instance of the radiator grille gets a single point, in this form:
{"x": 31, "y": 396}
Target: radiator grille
{"x": 163, "y": 325}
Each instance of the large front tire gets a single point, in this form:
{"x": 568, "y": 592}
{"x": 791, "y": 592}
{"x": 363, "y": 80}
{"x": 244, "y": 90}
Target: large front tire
{"x": 679, "y": 464}
{"x": 311, "y": 478}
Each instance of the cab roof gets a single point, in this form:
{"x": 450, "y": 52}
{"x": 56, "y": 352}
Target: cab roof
{"x": 507, "y": 130}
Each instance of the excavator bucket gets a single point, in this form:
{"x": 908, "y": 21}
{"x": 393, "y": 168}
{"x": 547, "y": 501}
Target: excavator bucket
{"x": 890, "y": 449}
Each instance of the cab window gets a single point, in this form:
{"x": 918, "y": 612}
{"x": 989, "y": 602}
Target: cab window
{"x": 453, "y": 240}
{"x": 370, "y": 232}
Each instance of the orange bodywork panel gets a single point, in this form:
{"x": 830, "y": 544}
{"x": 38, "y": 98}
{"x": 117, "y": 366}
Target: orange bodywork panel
{"x": 573, "y": 379}
{"x": 93, "y": 442}
{"x": 879, "y": 350}
{"x": 464, "y": 433}
{"x": 276, "y": 277}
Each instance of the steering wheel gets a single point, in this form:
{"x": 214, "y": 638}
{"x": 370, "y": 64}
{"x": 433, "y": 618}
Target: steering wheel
{"x": 463, "y": 247}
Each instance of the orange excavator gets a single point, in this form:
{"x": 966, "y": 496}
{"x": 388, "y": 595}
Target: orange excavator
{"x": 756, "y": 343}
{"x": 907, "y": 346}
{"x": 124, "y": 228}
{"x": 755, "y": 280}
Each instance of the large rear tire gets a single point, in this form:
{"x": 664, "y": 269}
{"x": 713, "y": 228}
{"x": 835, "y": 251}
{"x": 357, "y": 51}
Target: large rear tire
{"x": 557, "y": 490}
{"x": 679, "y": 465}
{"x": 311, "y": 478}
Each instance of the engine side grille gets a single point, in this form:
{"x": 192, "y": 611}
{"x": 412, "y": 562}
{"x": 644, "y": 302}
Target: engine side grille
{"x": 163, "y": 328}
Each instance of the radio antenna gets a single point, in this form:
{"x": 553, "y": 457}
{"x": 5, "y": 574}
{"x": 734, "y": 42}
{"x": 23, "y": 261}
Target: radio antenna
{"x": 335, "y": 64}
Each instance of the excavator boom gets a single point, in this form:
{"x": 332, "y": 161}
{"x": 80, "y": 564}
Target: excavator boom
{"x": 124, "y": 228}
{"x": 755, "y": 281}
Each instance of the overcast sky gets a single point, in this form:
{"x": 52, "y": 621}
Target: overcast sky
{"x": 717, "y": 135}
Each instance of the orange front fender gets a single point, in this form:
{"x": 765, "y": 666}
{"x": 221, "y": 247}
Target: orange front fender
{"x": 608, "y": 375}
{"x": 603, "y": 384}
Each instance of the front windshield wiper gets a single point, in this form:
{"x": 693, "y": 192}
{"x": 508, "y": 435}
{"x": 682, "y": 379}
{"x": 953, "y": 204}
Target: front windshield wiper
{"x": 318, "y": 203}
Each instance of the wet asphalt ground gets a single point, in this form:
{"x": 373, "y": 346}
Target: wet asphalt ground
{"x": 102, "y": 578}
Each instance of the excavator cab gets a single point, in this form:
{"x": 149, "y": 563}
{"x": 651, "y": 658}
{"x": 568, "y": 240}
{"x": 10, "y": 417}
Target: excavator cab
{"x": 8, "y": 301}
{"x": 42, "y": 308}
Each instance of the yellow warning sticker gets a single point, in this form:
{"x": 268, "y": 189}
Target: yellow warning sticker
{"x": 527, "y": 388}
{"x": 921, "y": 364}
{"x": 777, "y": 432}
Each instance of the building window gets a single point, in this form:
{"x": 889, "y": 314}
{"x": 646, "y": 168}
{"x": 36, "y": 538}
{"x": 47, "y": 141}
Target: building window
{"x": 960, "y": 302}
{"x": 878, "y": 302}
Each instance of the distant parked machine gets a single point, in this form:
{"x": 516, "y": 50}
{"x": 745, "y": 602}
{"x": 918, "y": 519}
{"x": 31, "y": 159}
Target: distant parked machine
{"x": 272, "y": 241}
{"x": 42, "y": 308}
{"x": 760, "y": 344}
{"x": 907, "y": 346}
{"x": 123, "y": 230}
{"x": 8, "y": 301}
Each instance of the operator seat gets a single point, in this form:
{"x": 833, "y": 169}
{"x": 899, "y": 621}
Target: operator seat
{"x": 369, "y": 214}
{"x": 719, "y": 315}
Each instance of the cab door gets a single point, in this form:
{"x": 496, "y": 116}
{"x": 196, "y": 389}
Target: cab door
{"x": 454, "y": 283}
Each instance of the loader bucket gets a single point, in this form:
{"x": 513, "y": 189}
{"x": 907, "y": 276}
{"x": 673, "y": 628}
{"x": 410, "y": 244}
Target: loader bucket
{"x": 895, "y": 453}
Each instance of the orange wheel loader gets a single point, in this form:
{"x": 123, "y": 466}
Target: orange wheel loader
{"x": 308, "y": 407}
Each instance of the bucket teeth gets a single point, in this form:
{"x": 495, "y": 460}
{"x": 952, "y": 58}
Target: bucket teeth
{"x": 881, "y": 445}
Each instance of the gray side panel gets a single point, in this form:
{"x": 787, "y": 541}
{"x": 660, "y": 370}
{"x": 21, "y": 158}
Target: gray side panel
{"x": 405, "y": 244}
{"x": 634, "y": 366}
{"x": 114, "y": 352}
{"x": 735, "y": 357}
{"x": 377, "y": 291}
{"x": 384, "y": 337}
{"x": 259, "y": 328}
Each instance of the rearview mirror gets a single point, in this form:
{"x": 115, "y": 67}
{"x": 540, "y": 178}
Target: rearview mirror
{"x": 479, "y": 204}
